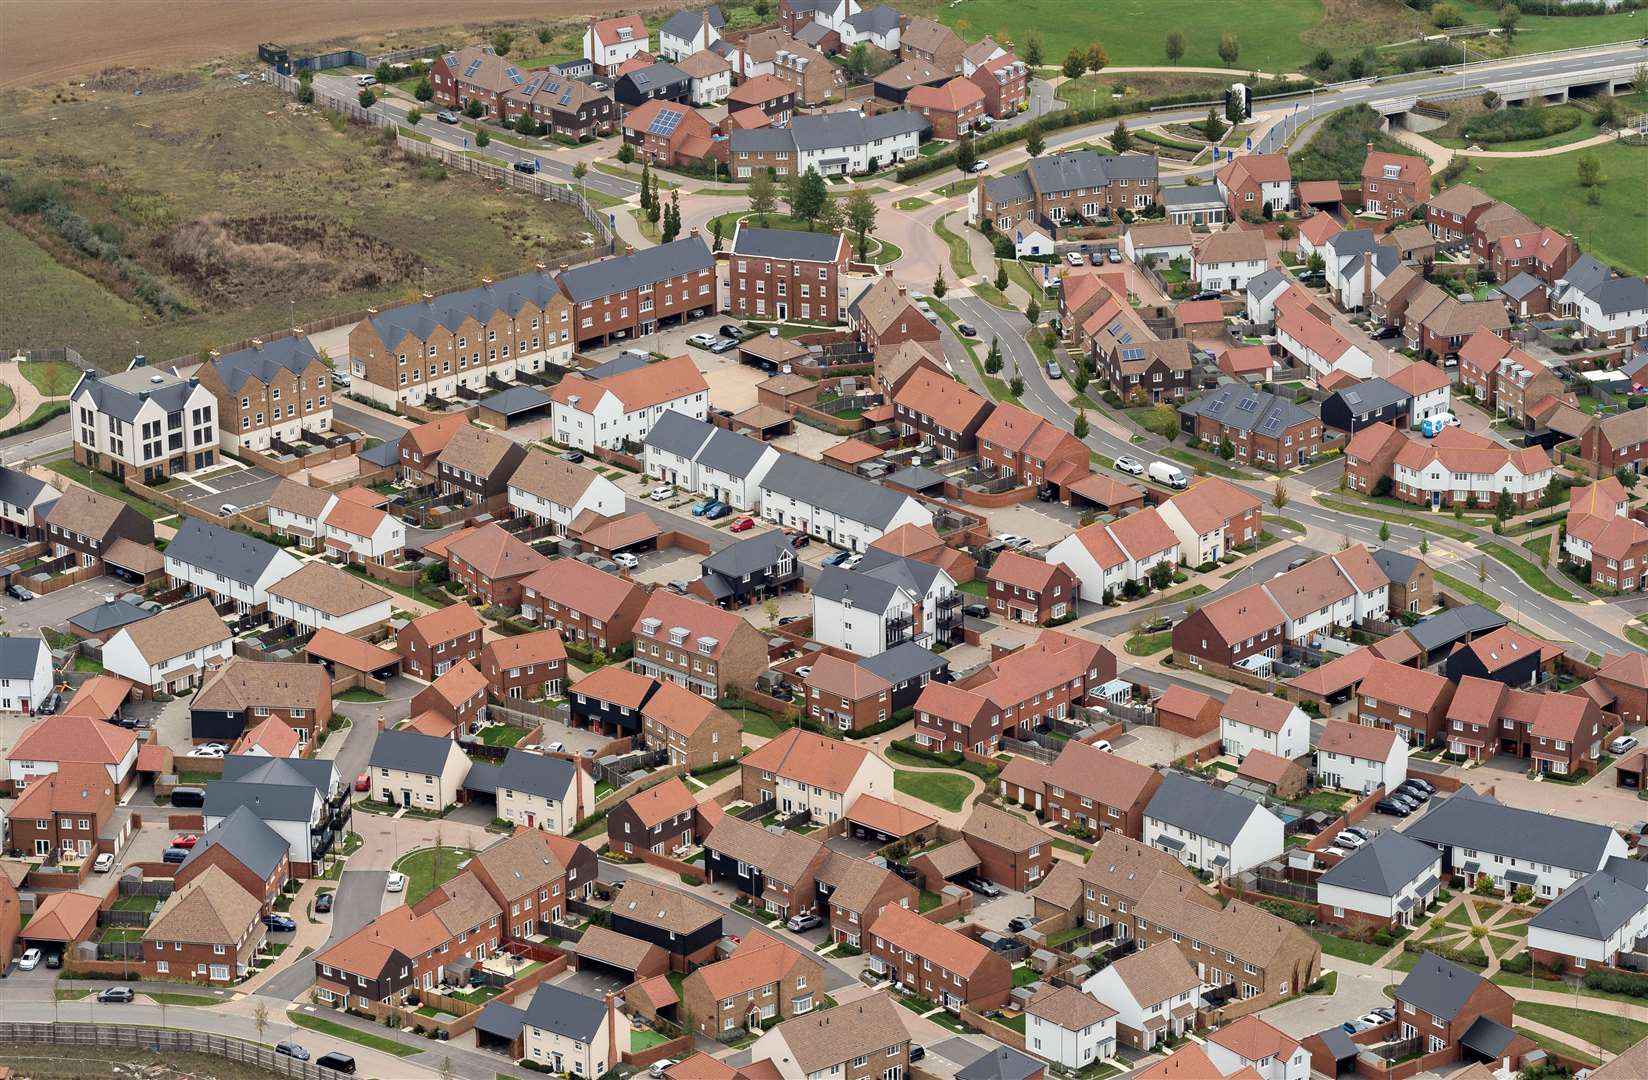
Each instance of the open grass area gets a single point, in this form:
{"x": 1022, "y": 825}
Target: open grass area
{"x": 1611, "y": 1032}
{"x": 360, "y": 694}
{"x": 303, "y": 219}
{"x": 8, "y": 401}
{"x": 429, "y": 867}
{"x": 503, "y": 734}
{"x": 194, "y": 1001}
{"x": 1345, "y": 949}
{"x": 1544, "y": 189}
{"x": 1471, "y": 123}
{"x": 1529, "y": 572}
{"x": 961, "y": 257}
{"x": 945, "y": 790}
{"x": 1434, "y": 523}
{"x": 1466, "y": 591}
{"x": 1148, "y": 644}
{"x": 105, "y": 485}
{"x": 757, "y": 723}
{"x": 1556, "y": 1046}
{"x": 343, "y": 1031}
{"x": 53, "y": 378}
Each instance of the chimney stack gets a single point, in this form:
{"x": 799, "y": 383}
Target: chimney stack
{"x": 257, "y": 343}
{"x": 214, "y": 355}
{"x": 486, "y": 282}
{"x": 564, "y": 268}
{"x": 541, "y": 267}
{"x": 693, "y": 232}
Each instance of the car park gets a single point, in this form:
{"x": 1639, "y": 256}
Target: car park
{"x": 1073, "y": 258}
{"x": 1096, "y": 257}
{"x": 1348, "y": 839}
{"x": 291, "y": 1050}
{"x": 396, "y": 882}
{"x": 1391, "y": 807}
{"x": 703, "y": 341}
{"x": 104, "y": 863}
{"x": 1128, "y": 464}
{"x": 1622, "y": 744}
{"x": 29, "y": 960}
{"x": 798, "y": 923}
{"x": 115, "y": 995}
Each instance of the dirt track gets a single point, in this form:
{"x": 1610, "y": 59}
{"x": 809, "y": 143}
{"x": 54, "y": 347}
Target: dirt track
{"x": 42, "y": 41}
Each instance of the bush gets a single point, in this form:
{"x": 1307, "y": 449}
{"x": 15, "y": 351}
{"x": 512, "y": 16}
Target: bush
{"x": 1614, "y": 982}
{"x": 1383, "y": 937}
{"x": 1512, "y": 125}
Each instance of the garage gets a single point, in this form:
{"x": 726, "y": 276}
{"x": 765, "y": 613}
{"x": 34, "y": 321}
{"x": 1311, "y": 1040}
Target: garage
{"x": 604, "y": 952}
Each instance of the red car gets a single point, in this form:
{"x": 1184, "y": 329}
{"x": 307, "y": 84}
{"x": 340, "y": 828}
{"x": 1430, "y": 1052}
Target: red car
{"x": 363, "y": 782}
{"x": 742, "y": 524}
{"x": 185, "y": 840}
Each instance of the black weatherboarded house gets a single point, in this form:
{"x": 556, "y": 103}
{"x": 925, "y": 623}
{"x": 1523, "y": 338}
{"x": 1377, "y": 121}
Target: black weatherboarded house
{"x": 656, "y": 82}
{"x": 683, "y": 927}
{"x": 750, "y": 570}
{"x": 1373, "y": 401}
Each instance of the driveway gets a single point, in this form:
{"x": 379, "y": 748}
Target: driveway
{"x": 243, "y": 487}
{"x": 55, "y": 609}
{"x": 358, "y": 902}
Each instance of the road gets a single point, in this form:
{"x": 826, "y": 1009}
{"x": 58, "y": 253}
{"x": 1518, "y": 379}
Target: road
{"x": 369, "y": 420}
{"x": 358, "y": 902}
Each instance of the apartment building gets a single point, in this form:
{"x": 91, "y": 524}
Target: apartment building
{"x": 144, "y": 423}
{"x": 270, "y": 392}
{"x": 775, "y": 273}
{"x": 697, "y": 645}
{"x": 618, "y": 411}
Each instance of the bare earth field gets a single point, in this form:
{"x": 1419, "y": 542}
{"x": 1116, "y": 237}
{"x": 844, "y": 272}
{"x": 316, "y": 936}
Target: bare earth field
{"x": 48, "y": 40}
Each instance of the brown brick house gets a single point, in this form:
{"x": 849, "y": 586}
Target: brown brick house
{"x": 953, "y": 108}
{"x": 669, "y": 133}
{"x": 1264, "y": 429}
{"x": 476, "y": 466}
{"x": 1005, "y": 82}
{"x": 1451, "y": 214}
{"x": 1066, "y": 186}
{"x": 1012, "y": 852}
{"x": 691, "y": 729}
{"x": 931, "y": 43}
{"x": 244, "y": 693}
{"x": 786, "y": 274}
{"x": 884, "y": 315}
{"x": 526, "y": 666}
{"x": 430, "y": 644}
{"x": 1412, "y": 581}
{"x": 1370, "y": 457}
{"x": 492, "y": 564}
{"x": 1408, "y": 700}
{"x": 772, "y": 95}
{"x": 697, "y": 645}
{"x": 1218, "y": 635}
{"x": 1394, "y": 185}
{"x": 207, "y": 932}
{"x": 1022, "y": 689}
{"x": 862, "y": 1040}
{"x": 269, "y": 386}
{"x": 858, "y": 891}
{"x": 1560, "y": 733}
{"x": 450, "y": 702}
{"x": 1029, "y": 590}
{"x": 85, "y": 524}
{"x": 255, "y": 856}
{"x": 421, "y": 447}
{"x": 1020, "y": 444}
{"x": 583, "y": 603}
{"x": 64, "y": 811}
{"x": 1439, "y": 1002}
{"x": 1278, "y": 776}
{"x": 934, "y": 962}
{"x": 527, "y": 876}
{"x": 1098, "y": 791}
{"x": 565, "y": 106}
{"x": 476, "y": 73}
{"x": 1439, "y": 323}
{"x": 765, "y": 979}
{"x": 1544, "y": 253}
{"x": 1626, "y": 676}
{"x": 941, "y": 412}
{"x": 1611, "y": 443}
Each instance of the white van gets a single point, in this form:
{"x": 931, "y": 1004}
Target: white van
{"x": 1171, "y": 475}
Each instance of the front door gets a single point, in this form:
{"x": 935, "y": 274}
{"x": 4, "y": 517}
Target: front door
{"x": 406, "y": 797}
{"x": 783, "y": 311}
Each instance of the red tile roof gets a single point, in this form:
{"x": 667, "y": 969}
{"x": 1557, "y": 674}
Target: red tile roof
{"x": 810, "y": 759}
{"x": 1257, "y": 710}
{"x": 1356, "y": 740}
{"x": 950, "y": 949}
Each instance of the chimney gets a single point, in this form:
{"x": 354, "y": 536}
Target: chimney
{"x": 193, "y": 382}
{"x": 540, "y": 267}
{"x": 612, "y": 1027}
{"x": 371, "y": 311}
{"x": 214, "y": 355}
{"x": 257, "y": 343}
{"x": 901, "y": 290}
{"x": 1370, "y": 147}
{"x": 564, "y": 268}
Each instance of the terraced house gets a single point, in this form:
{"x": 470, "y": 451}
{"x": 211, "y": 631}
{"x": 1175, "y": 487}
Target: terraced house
{"x": 697, "y": 645}
{"x": 1077, "y": 185}
{"x": 630, "y": 295}
{"x": 426, "y": 350}
{"x": 272, "y": 391}
{"x": 937, "y": 963}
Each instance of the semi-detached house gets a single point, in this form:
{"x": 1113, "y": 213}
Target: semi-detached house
{"x": 1249, "y": 721}
{"x": 619, "y": 410}
{"x": 349, "y": 524}
{"x": 810, "y": 774}
{"x": 832, "y": 144}
{"x": 1105, "y": 557}
{"x": 1595, "y": 921}
{"x": 884, "y": 602}
{"x": 1459, "y": 468}
{"x": 1208, "y": 828}
{"x": 319, "y": 596}
{"x": 1262, "y": 428}
{"x": 23, "y": 502}
{"x": 1361, "y": 757}
{"x": 1612, "y": 310}
{"x": 706, "y": 459}
{"x": 1071, "y": 186}
{"x": 582, "y": 603}
{"x": 170, "y": 650}
{"x": 863, "y": 1040}
{"x": 1384, "y": 884}
{"x": 940, "y": 411}
{"x": 556, "y": 493}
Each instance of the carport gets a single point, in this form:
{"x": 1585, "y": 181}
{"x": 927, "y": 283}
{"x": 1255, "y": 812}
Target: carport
{"x": 945, "y": 864}
{"x": 637, "y": 532}
{"x": 344, "y": 655}
{"x": 918, "y": 480}
{"x": 770, "y": 352}
{"x": 763, "y": 422}
{"x": 480, "y": 783}
{"x": 60, "y": 921}
{"x": 133, "y": 563}
{"x": 1106, "y": 493}
{"x": 498, "y": 1029}
{"x": 884, "y": 822}
{"x": 1629, "y": 771}
{"x": 606, "y": 952}
{"x": 512, "y": 406}
{"x": 1321, "y": 194}
{"x": 1332, "y": 1053}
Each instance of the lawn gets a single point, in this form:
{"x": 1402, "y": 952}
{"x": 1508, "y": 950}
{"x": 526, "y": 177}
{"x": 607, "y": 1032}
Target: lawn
{"x": 503, "y": 734}
{"x": 53, "y": 378}
{"x": 196, "y": 1001}
{"x": 1556, "y": 1046}
{"x": 757, "y": 722}
{"x": 642, "y": 1039}
{"x": 1023, "y": 976}
{"x": 360, "y": 694}
{"x": 945, "y": 790}
{"x": 1358, "y": 951}
{"x": 1539, "y": 545}
{"x": 912, "y": 202}
{"x": 1148, "y": 644}
{"x": 1612, "y": 1033}
{"x": 975, "y": 588}
{"x": 429, "y": 867}
{"x": 1543, "y": 188}
{"x": 8, "y": 401}
{"x": 1528, "y": 571}
{"x": 137, "y": 902}
{"x": 1469, "y": 593}
{"x": 1426, "y": 524}
{"x": 343, "y": 1031}
{"x": 961, "y": 256}
{"x": 105, "y": 485}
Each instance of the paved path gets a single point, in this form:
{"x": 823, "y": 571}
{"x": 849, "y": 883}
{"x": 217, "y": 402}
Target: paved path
{"x": 359, "y": 900}
{"x": 1440, "y": 155}
{"x": 1564, "y": 1037}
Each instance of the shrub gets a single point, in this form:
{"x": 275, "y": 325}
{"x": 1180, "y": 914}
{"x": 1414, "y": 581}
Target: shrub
{"x": 1383, "y": 937}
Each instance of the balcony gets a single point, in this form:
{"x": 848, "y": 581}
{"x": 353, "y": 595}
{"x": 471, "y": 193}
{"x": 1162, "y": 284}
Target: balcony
{"x": 898, "y": 629}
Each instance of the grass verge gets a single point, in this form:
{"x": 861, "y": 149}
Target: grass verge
{"x": 341, "y": 1031}
{"x": 945, "y": 790}
{"x": 1529, "y": 572}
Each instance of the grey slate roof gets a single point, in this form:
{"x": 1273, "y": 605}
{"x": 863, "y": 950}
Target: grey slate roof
{"x": 245, "y": 836}
{"x": 536, "y": 774}
{"x": 516, "y": 400}
{"x": 761, "y": 140}
{"x": 384, "y": 455}
{"x": 917, "y": 477}
{"x": 1633, "y": 872}
{"x": 449, "y": 310}
{"x": 654, "y": 77}
{"x": 1263, "y": 284}
{"x": 628, "y": 360}
{"x": 877, "y": 20}
{"x": 750, "y": 556}
{"x": 1242, "y": 408}
{"x": 315, "y": 773}
{"x": 1384, "y": 867}
{"x": 831, "y": 130}
{"x": 813, "y": 33}
{"x": 1621, "y": 294}
{"x": 118, "y": 395}
{"x": 501, "y": 1020}
{"x": 1200, "y": 808}
{"x": 1055, "y": 173}
{"x": 19, "y": 488}
{"x": 411, "y": 752}
{"x": 1452, "y": 625}
{"x": 1002, "y": 1063}
{"x": 645, "y": 267}
{"x": 874, "y": 582}
{"x": 1593, "y": 907}
{"x": 1371, "y": 395}
{"x": 1009, "y": 189}
{"x": 108, "y": 616}
{"x": 839, "y": 492}
{"x": 1338, "y": 1043}
{"x": 1469, "y": 820}
{"x": 270, "y": 802}
{"x": 566, "y": 1013}
{"x": 482, "y": 778}
{"x": 715, "y": 448}
{"x": 1181, "y": 197}
{"x": 679, "y": 434}
{"x": 1397, "y": 566}
{"x": 785, "y": 244}
{"x": 904, "y": 662}
{"x": 291, "y": 354}
{"x": 228, "y": 554}
{"x": 1351, "y": 242}
{"x": 18, "y": 656}
{"x": 684, "y": 24}
{"x": 1521, "y": 285}
{"x": 1587, "y": 274}
{"x": 1487, "y": 1036}
{"x": 1440, "y": 987}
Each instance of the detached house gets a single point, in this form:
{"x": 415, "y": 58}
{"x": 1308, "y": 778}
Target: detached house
{"x": 491, "y": 564}
{"x": 621, "y": 409}
{"x": 1612, "y": 310}
{"x": 765, "y": 979}
{"x": 862, "y": 1040}
{"x": 423, "y": 772}
{"x": 526, "y": 666}
{"x": 208, "y": 931}
{"x": 884, "y": 315}
{"x": 1212, "y": 517}
{"x": 693, "y": 732}
{"x": 1106, "y": 558}
{"x": 246, "y": 849}
{"x": 1250, "y": 721}
{"x": 1394, "y": 185}
{"x": 807, "y": 773}
{"x": 1210, "y": 829}
{"x": 430, "y": 644}
{"x": 609, "y": 42}
{"x": 749, "y": 571}
{"x": 1154, "y": 994}
{"x": 1384, "y": 884}
{"x": 1256, "y": 184}
{"x": 242, "y": 694}
{"x": 1356, "y": 757}
{"x": 1072, "y": 1028}
{"x": 1226, "y": 260}
{"x": 541, "y": 791}
{"x": 1030, "y": 590}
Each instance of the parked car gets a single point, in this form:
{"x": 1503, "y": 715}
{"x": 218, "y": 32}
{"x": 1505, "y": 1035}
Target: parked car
{"x": 557, "y": 747}
{"x": 1622, "y": 744}
{"x": 1371, "y": 1019}
{"x": 1095, "y": 257}
{"x": 1417, "y": 794}
{"x": 396, "y": 882}
{"x": 703, "y": 341}
{"x": 1115, "y": 256}
{"x": 185, "y": 840}
{"x": 798, "y": 539}
{"x": 661, "y": 493}
{"x": 363, "y": 782}
{"x": 743, "y": 524}
{"x": 798, "y": 923}
{"x": 717, "y": 511}
{"x": 626, "y": 560}
{"x": 574, "y": 456}
{"x": 1387, "y": 1015}
{"x": 701, "y": 507}
{"x": 724, "y": 345}
{"x": 658, "y": 1067}
{"x": 323, "y": 903}
{"x": 29, "y": 960}
{"x": 1103, "y": 744}
{"x": 1073, "y": 258}
{"x": 1384, "y": 333}
{"x": 1010, "y": 540}
{"x": 976, "y": 611}
{"x": 967, "y": 329}
{"x": 292, "y": 1050}
{"x": 729, "y": 330}
{"x": 49, "y": 704}
{"x": 527, "y": 165}
{"x": 446, "y": 116}
{"x": 1421, "y": 783}
{"x": 917, "y": 1051}
{"x": 340, "y": 379}
{"x": 1053, "y": 370}
{"x": 679, "y": 587}
{"x": 984, "y": 886}
{"x": 54, "y": 960}
{"x": 17, "y": 592}
{"x": 115, "y": 995}
{"x": 1366, "y": 834}
{"x": 1348, "y": 839}
{"x": 980, "y": 165}
{"x": 337, "y": 1062}
{"x": 1129, "y": 464}
{"x": 1207, "y": 294}
{"x": 851, "y": 561}
{"x": 104, "y": 863}
{"x": 1391, "y": 807}
{"x": 365, "y": 80}
{"x": 837, "y": 559}
{"x": 174, "y": 855}
{"x": 283, "y": 924}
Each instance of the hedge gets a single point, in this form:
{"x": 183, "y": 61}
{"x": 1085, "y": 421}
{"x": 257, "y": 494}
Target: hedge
{"x": 1617, "y": 983}
{"x": 39, "y": 418}
{"x": 1069, "y": 118}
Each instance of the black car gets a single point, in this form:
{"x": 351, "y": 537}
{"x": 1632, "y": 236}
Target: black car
{"x": 54, "y": 960}
{"x": 284, "y": 924}
{"x": 336, "y": 1062}
{"x": 174, "y": 855}
{"x": 967, "y": 329}
{"x": 323, "y": 903}
{"x": 1386, "y": 332}
{"x": 1020, "y": 924}
{"x": 1391, "y": 807}
{"x": 734, "y": 332}
{"x": 1207, "y": 294}
{"x": 527, "y": 165}
{"x": 976, "y": 611}
{"x": 115, "y": 995}
{"x": 917, "y": 1051}
{"x": 17, "y": 592}
{"x": 1416, "y": 794}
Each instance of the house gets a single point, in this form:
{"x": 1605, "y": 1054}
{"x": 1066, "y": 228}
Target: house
{"x": 773, "y": 871}
{"x": 1137, "y": 365}
{"x": 765, "y": 979}
{"x": 416, "y": 771}
{"x": 430, "y": 644}
{"x": 1611, "y": 310}
{"x": 1594, "y": 921}
{"x": 1427, "y": 387}
{"x": 476, "y": 73}
{"x": 244, "y": 693}
{"x": 1243, "y": 630}
{"x": 1315, "y": 233}
{"x": 1412, "y": 581}
{"x": 452, "y": 702}
{"x": 1460, "y": 467}
{"x": 1384, "y": 884}
{"x": 213, "y": 927}
{"x": 571, "y": 1033}
{"x": 879, "y": 27}
{"x": 1436, "y": 323}
{"x": 630, "y": 295}
{"x": 1199, "y": 205}
{"x": 669, "y": 132}
{"x": 883, "y": 602}
{"x": 1227, "y": 259}
{"x": 1481, "y": 837}
{"x": 810, "y": 774}
{"x": 1394, "y": 185}
{"x": 1011, "y": 851}
{"x": 284, "y": 798}
{"x": 1618, "y": 441}
{"x": 1504, "y": 378}
{"x": 1030, "y": 238}
{"x": 124, "y": 424}
{"x": 711, "y": 461}
{"x": 1544, "y": 253}
{"x": 749, "y": 571}
{"x": 430, "y": 348}
{"x": 937, "y": 963}
{"x": 1456, "y": 1013}
{"x": 794, "y": 15}
{"x": 249, "y": 386}
{"x": 1210, "y": 518}
{"x": 64, "y": 813}
{"x": 1372, "y": 401}
{"x": 1030, "y": 590}
{"x": 225, "y": 566}
{"x": 1357, "y": 263}
{"x": 564, "y": 104}
{"x": 343, "y": 524}
{"x": 697, "y": 645}
{"x": 940, "y": 411}
{"x": 831, "y": 144}
{"x": 931, "y": 42}
{"x": 621, "y": 409}
{"x": 1503, "y": 655}
{"x": 582, "y": 603}
{"x": 556, "y": 493}
{"x": 1154, "y": 994}
{"x": 527, "y": 666}
{"x": 861, "y": 1040}
{"x": 169, "y": 651}
{"x": 1251, "y": 721}
{"x": 1094, "y": 791}
{"x": 1067, "y": 1026}
{"x": 953, "y": 108}
{"x": 884, "y": 315}
{"x": 1283, "y": 778}
{"x": 26, "y": 673}
{"x": 1209, "y": 828}
{"x": 809, "y": 72}
{"x": 1362, "y": 758}
{"x": 1306, "y": 332}
{"x": 1561, "y": 733}
{"x": 687, "y": 32}
{"x": 774, "y": 97}
{"x": 1252, "y": 1044}
{"x": 491, "y": 564}
{"x": 541, "y": 791}
{"x": 693, "y": 732}
{"x": 1018, "y": 443}
{"x": 1258, "y": 185}
{"x": 1452, "y": 213}
{"x": 531, "y": 874}
{"x": 252, "y": 854}
{"x": 854, "y": 695}
{"x": 1409, "y": 701}
{"x": 1604, "y": 538}
{"x": 1106, "y": 889}
{"x": 1074, "y": 186}
{"x": 24, "y": 502}
{"x": 833, "y": 505}
{"x": 609, "y": 42}
{"x": 1264, "y": 429}
{"x": 475, "y": 467}
{"x": 685, "y": 928}
{"x": 420, "y": 448}
{"x": 662, "y": 819}
{"x": 1005, "y": 80}
{"x": 799, "y": 274}
{"x": 319, "y": 596}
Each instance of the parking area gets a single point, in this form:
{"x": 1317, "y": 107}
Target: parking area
{"x": 576, "y": 740}
{"x": 595, "y": 983}
{"x": 1153, "y": 745}
{"x": 1043, "y": 523}
{"x": 55, "y": 609}
{"x": 238, "y": 486}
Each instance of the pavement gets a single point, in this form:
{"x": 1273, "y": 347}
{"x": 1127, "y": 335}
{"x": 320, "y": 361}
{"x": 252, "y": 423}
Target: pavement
{"x": 359, "y": 900}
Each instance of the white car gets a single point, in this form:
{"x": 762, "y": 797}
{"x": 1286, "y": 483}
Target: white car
{"x": 397, "y": 882}
{"x": 104, "y": 863}
{"x": 1073, "y": 258}
{"x": 557, "y": 748}
{"x": 703, "y": 341}
{"x": 851, "y": 561}
{"x": 1102, "y": 744}
{"x": 980, "y": 165}
{"x": 1348, "y": 839}
{"x": 206, "y": 752}
{"x": 657, "y": 1068}
{"x": 228, "y": 509}
{"x": 626, "y": 560}
{"x": 29, "y": 960}
{"x": 1130, "y": 465}
{"x": 661, "y": 492}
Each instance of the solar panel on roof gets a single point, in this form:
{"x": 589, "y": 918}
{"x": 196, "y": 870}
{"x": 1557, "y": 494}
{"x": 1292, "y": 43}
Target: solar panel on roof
{"x": 451, "y": 59}
{"x": 531, "y": 88}
{"x": 664, "y": 124}
{"x": 1247, "y": 405}
{"x": 1273, "y": 424}
{"x": 1125, "y": 338}
{"x": 1352, "y": 397}
{"x": 1135, "y": 353}
{"x": 474, "y": 66}
{"x": 566, "y": 98}
{"x": 514, "y": 76}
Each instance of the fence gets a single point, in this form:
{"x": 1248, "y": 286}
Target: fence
{"x": 160, "y": 1041}
{"x": 60, "y": 353}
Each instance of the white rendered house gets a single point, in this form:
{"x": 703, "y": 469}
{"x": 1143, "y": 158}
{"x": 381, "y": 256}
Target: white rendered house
{"x": 1208, "y": 828}
{"x": 1386, "y": 883}
{"x": 1072, "y": 1028}
{"x": 620, "y": 409}
{"x": 169, "y": 651}
{"x": 25, "y": 673}
{"x": 885, "y": 601}
{"x": 708, "y": 460}
{"x": 837, "y": 507}
{"x": 1357, "y": 757}
{"x": 1250, "y": 721}
{"x": 555, "y": 492}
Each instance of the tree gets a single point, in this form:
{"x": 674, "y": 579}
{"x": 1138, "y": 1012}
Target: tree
{"x": 992, "y": 359}
{"x": 763, "y": 196}
{"x": 447, "y": 1070}
{"x": 770, "y": 608}
{"x": 1384, "y": 532}
{"x": 1213, "y": 128}
{"x": 1079, "y": 428}
{"x": 1279, "y": 496}
{"x": 1161, "y": 575}
{"x": 475, "y": 110}
{"x": 1175, "y": 46}
{"x": 626, "y": 154}
{"x": 1482, "y": 570}
{"x": 1074, "y": 63}
{"x": 1424, "y": 545}
{"x": 580, "y": 170}
{"x": 1509, "y": 16}
{"x": 1626, "y": 477}
{"x": 1233, "y": 109}
{"x": 525, "y": 125}
{"x": 1097, "y": 58}
{"x": 760, "y": 8}
{"x": 1121, "y": 138}
{"x": 1445, "y": 15}
{"x": 1032, "y": 311}
{"x": 260, "y": 1019}
{"x": 545, "y": 35}
{"x": 831, "y": 218}
{"x": 1079, "y": 375}
{"x": 424, "y": 91}
{"x": 1505, "y": 507}
{"x": 861, "y": 218}
{"x": 384, "y": 73}
{"x": 654, "y": 212}
{"x": 306, "y": 90}
{"x": 1001, "y": 277}
{"x": 857, "y": 61}
{"x": 966, "y": 154}
{"x": 367, "y": 98}
{"x": 483, "y": 139}
{"x": 413, "y": 116}
{"x": 1033, "y": 141}
{"x": 1015, "y": 385}
{"x": 1316, "y": 264}
{"x": 715, "y": 231}
{"x": 807, "y": 195}
{"x": 1589, "y": 170}
{"x": 1033, "y": 51}
{"x": 502, "y": 42}
{"x": 672, "y": 219}
{"x": 938, "y": 285}
{"x": 1230, "y": 47}
{"x": 1227, "y": 449}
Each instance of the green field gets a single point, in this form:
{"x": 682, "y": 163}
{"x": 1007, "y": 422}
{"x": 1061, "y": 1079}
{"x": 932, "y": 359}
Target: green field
{"x": 946, "y": 790}
{"x": 1543, "y": 188}
{"x": 429, "y": 867}
{"x": 1612, "y": 1033}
